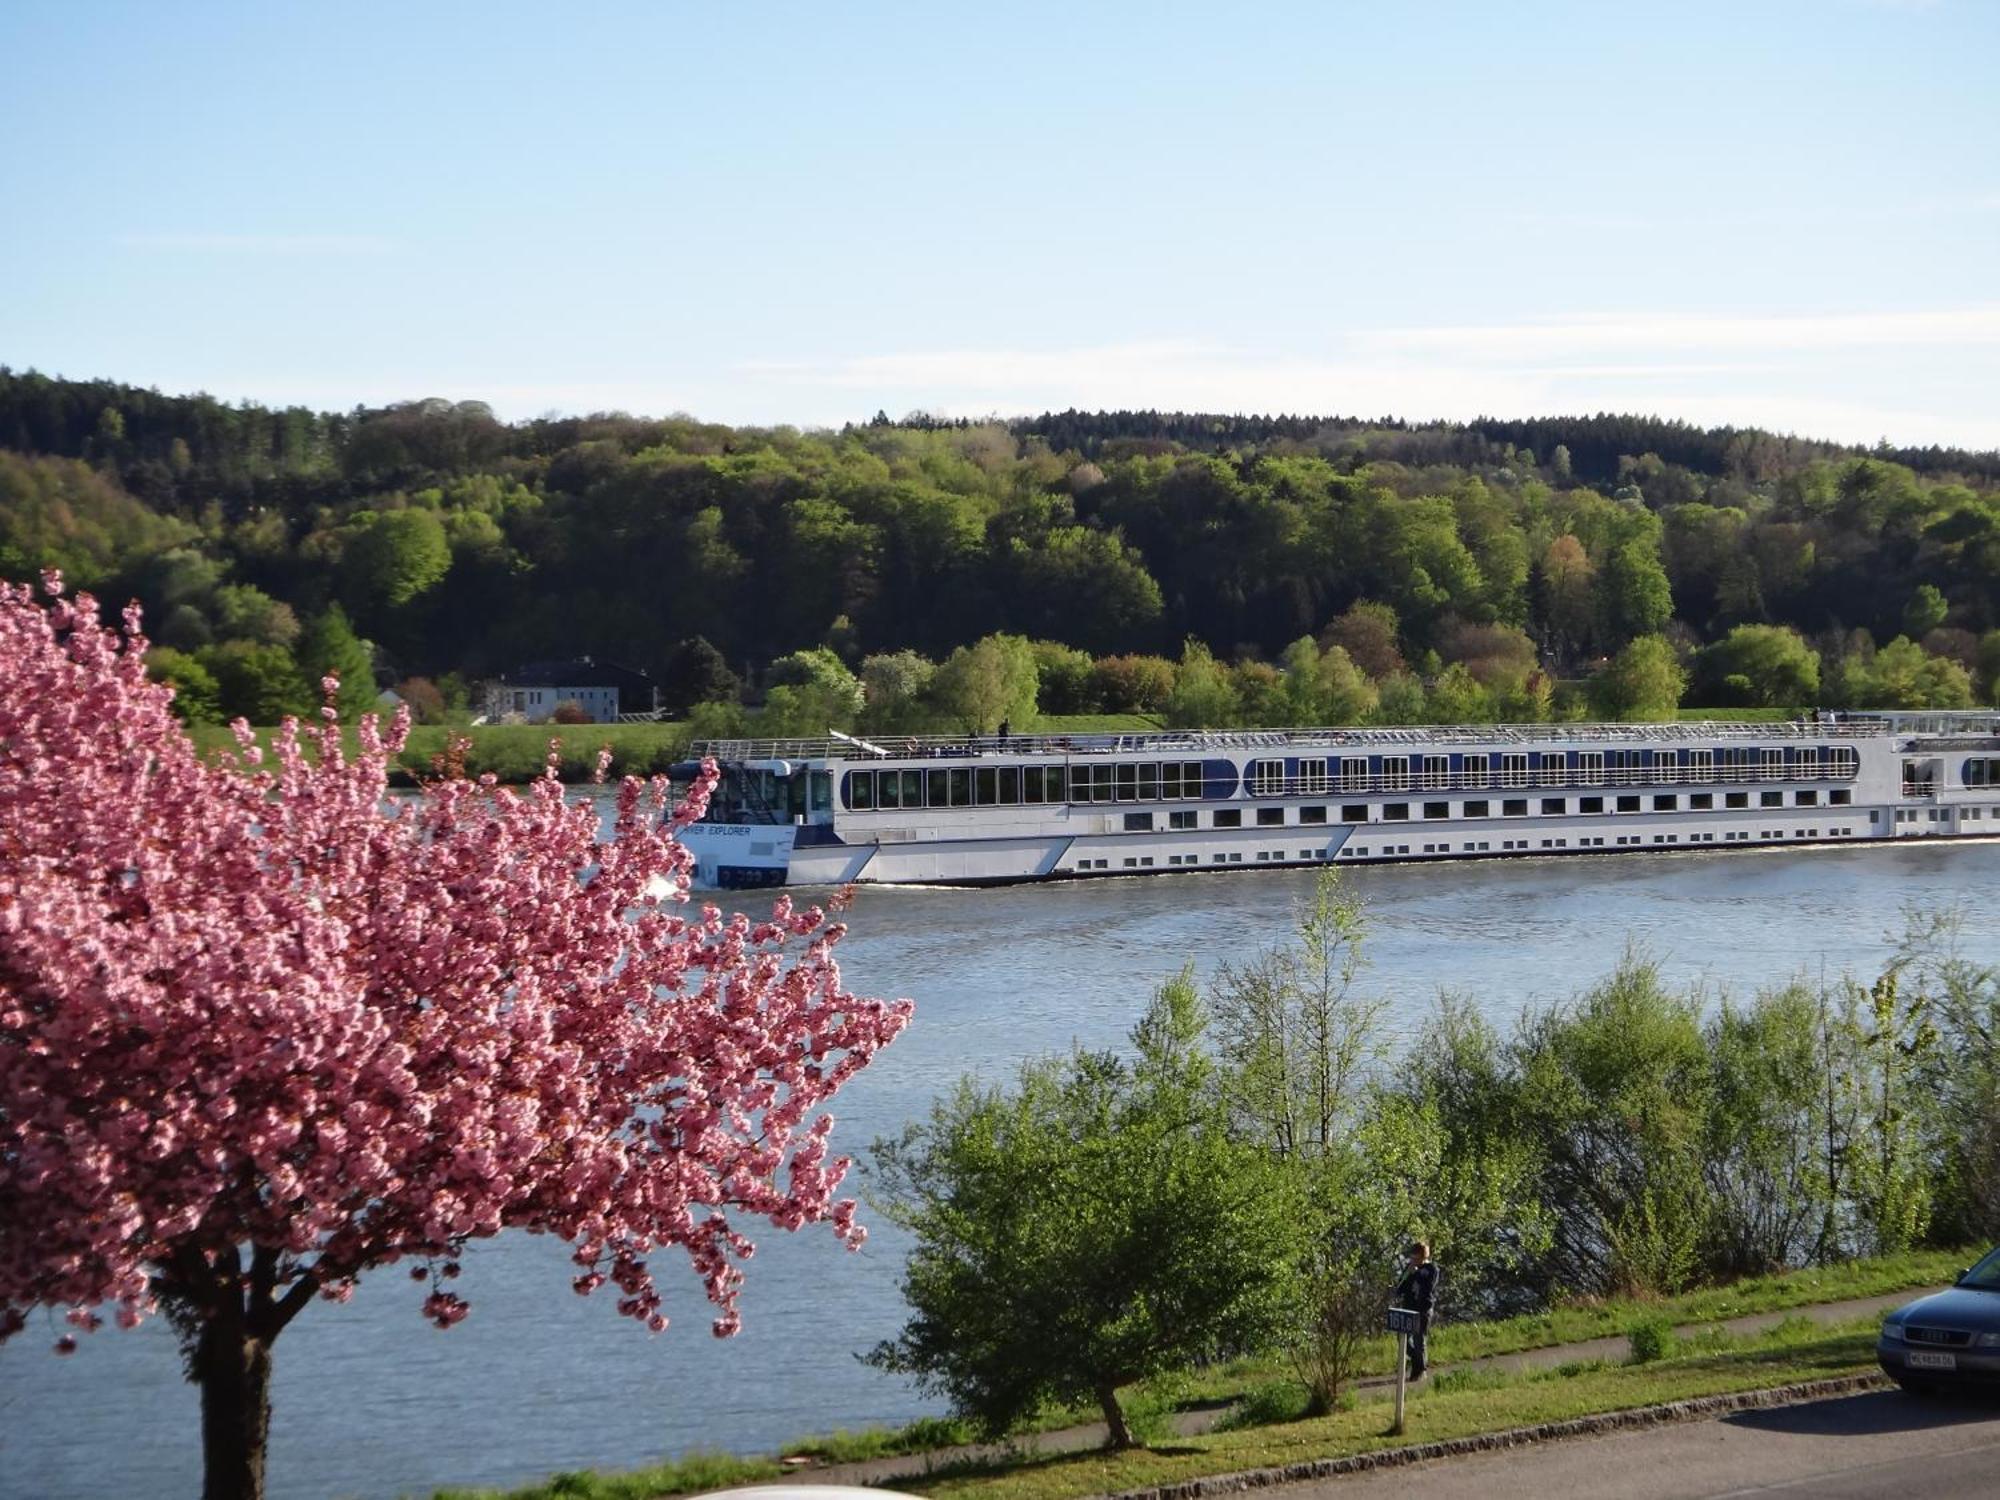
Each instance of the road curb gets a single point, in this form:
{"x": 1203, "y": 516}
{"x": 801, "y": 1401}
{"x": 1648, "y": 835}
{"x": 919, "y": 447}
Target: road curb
{"x": 1694, "y": 1409}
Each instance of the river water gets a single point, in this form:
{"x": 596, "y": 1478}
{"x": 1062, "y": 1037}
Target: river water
{"x": 370, "y": 1401}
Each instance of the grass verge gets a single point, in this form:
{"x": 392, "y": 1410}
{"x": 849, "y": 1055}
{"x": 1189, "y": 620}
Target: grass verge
{"x": 1474, "y": 1402}
{"x": 1268, "y": 1399}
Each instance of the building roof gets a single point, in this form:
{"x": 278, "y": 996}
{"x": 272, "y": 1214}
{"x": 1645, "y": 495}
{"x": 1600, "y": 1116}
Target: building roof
{"x": 577, "y": 672}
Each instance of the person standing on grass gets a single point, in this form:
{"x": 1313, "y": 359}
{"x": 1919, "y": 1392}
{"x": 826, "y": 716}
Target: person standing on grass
{"x": 1418, "y": 1291}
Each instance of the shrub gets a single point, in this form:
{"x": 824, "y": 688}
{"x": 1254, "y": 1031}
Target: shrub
{"x": 1652, "y": 1339}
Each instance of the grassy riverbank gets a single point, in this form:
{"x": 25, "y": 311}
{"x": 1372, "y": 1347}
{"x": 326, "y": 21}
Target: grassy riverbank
{"x": 517, "y": 753}
{"x": 1456, "y": 1403}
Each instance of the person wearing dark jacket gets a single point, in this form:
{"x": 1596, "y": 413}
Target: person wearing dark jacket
{"x": 1418, "y": 1291}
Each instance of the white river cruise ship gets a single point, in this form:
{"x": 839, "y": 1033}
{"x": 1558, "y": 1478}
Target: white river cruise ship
{"x": 994, "y": 810}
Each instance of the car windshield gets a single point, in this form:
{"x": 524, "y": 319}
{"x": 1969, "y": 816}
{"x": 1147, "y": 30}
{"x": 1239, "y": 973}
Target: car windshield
{"x": 1985, "y": 1274}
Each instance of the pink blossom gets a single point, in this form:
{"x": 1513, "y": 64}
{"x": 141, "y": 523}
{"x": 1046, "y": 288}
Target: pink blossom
{"x": 258, "y": 1032}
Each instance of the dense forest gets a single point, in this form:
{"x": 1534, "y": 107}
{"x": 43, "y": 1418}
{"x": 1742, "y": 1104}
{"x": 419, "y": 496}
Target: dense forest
{"x": 1205, "y": 568}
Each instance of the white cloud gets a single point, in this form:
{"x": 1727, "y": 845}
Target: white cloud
{"x": 1945, "y": 327}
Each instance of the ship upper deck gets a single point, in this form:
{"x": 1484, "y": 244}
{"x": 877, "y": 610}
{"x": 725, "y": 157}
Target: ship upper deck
{"x": 1182, "y": 742}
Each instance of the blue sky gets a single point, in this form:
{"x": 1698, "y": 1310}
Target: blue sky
{"x": 1785, "y": 214}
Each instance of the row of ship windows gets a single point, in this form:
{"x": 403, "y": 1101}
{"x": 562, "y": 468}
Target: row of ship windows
{"x": 1184, "y": 861}
{"x": 1510, "y": 807}
{"x": 1483, "y": 846}
{"x": 1175, "y": 781}
{"x": 1400, "y": 773}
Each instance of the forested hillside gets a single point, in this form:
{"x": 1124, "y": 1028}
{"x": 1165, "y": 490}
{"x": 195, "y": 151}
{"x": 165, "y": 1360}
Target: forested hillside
{"x": 1207, "y": 568}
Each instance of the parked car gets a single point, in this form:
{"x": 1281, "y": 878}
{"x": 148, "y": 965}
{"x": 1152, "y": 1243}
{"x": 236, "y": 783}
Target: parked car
{"x": 1949, "y": 1337}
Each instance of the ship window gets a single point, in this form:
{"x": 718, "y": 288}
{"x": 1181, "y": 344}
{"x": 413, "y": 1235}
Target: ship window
{"x": 1270, "y": 817}
{"x": 1228, "y": 817}
{"x": 1514, "y": 769}
{"x": 1808, "y": 767}
{"x": 1476, "y": 769}
{"x": 1396, "y": 812}
{"x": 1312, "y": 778}
{"x": 1182, "y": 819}
{"x": 1354, "y": 812}
{"x": 1010, "y": 785}
{"x": 1590, "y": 804}
{"x": 1100, "y": 783}
{"x": 1666, "y": 802}
{"x": 1514, "y": 807}
{"x": 1554, "y": 805}
{"x": 1840, "y": 797}
{"x": 1139, "y": 822}
{"x": 1774, "y": 765}
{"x": 1843, "y": 761}
{"x": 1395, "y": 773}
{"x": 1312, "y": 815}
{"x": 1805, "y": 799}
{"x": 1628, "y": 804}
{"x": 1702, "y": 801}
{"x": 1190, "y": 778}
{"x": 961, "y": 786}
{"x": 1771, "y": 799}
{"x": 1701, "y": 765}
{"x": 1437, "y": 809}
{"x": 1437, "y": 771}
{"x": 913, "y": 788}
{"x": 986, "y": 786}
{"x": 939, "y": 786}
{"x": 861, "y": 790}
{"x": 1170, "y": 780}
{"x": 1031, "y": 783}
{"x": 1477, "y": 809}
{"x": 1267, "y": 778}
{"x": 1736, "y": 799}
{"x": 820, "y": 790}
{"x": 1127, "y": 782}
{"x": 1149, "y": 783}
{"x": 1354, "y": 775}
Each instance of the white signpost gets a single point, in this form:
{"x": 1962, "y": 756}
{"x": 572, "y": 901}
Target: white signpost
{"x": 1403, "y": 1321}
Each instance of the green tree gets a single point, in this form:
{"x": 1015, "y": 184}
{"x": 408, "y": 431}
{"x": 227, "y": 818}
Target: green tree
{"x": 987, "y": 684}
{"x": 197, "y": 697}
{"x": 1633, "y": 591}
{"x": 1457, "y": 698}
{"x": 1132, "y": 684}
{"x": 1063, "y": 676}
{"x": 1095, "y": 1226}
{"x": 895, "y": 688}
{"x": 1925, "y": 611}
{"x": 695, "y": 672}
{"x": 393, "y": 557}
{"x": 1767, "y": 666}
{"x": 819, "y": 668}
{"x": 1643, "y": 682}
{"x": 330, "y": 648}
{"x": 1203, "y": 696}
{"x": 244, "y": 612}
{"x": 260, "y": 683}
{"x": 1903, "y": 675}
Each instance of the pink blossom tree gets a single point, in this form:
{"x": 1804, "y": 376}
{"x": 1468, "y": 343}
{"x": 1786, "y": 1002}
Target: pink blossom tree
{"x": 261, "y": 1031}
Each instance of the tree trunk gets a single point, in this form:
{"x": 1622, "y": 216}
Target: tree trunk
{"x": 234, "y": 1372}
{"x": 1118, "y": 1435}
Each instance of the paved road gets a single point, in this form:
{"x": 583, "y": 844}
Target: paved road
{"x": 1881, "y": 1443}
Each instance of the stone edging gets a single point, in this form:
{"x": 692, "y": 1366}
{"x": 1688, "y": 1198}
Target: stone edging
{"x": 1694, "y": 1409}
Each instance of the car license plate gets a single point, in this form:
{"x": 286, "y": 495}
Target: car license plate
{"x": 1925, "y": 1359}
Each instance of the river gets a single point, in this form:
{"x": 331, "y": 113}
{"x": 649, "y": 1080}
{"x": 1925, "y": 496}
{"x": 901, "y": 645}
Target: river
{"x": 370, "y": 1401}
